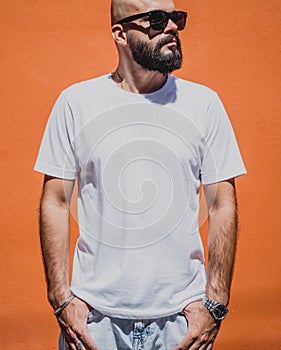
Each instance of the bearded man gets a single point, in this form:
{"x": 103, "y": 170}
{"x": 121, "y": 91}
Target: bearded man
{"x": 140, "y": 142}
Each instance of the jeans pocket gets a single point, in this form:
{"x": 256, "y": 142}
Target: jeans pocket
{"x": 182, "y": 322}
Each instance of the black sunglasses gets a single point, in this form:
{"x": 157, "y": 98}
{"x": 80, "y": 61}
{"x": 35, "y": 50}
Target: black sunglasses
{"x": 159, "y": 19}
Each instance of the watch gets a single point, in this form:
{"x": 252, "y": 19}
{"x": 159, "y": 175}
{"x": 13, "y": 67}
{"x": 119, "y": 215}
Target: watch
{"x": 217, "y": 310}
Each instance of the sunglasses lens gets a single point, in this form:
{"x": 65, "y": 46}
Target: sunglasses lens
{"x": 179, "y": 18}
{"x": 158, "y": 20}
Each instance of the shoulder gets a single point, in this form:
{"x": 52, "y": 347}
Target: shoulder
{"x": 195, "y": 90}
{"x": 85, "y": 88}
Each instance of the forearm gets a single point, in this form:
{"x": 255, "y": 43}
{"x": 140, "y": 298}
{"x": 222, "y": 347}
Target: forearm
{"x": 221, "y": 250}
{"x": 54, "y": 237}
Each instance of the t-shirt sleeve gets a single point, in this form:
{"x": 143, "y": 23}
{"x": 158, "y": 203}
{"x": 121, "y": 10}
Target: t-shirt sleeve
{"x": 56, "y": 155}
{"x": 221, "y": 157}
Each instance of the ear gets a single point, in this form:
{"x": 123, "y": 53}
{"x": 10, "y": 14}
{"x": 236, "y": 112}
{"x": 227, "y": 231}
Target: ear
{"x": 119, "y": 35}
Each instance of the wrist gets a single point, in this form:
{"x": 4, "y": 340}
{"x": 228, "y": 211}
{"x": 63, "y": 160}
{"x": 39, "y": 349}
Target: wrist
{"x": 218, "y": 295}
{"x": 64, "y": 305}
{"x": 58, "y": 296}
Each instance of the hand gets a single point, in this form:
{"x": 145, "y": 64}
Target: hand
{"x": 202, "y": 328}
{"x": 73, "y": 324}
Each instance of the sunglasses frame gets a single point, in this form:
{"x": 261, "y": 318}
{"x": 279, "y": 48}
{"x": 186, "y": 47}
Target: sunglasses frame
{"x": 166, "y": 17}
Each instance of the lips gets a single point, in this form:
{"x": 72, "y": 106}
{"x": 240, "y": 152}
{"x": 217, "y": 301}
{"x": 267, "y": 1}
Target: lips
{"x": 170, "y": 41}
{"x": 172, "y": 45}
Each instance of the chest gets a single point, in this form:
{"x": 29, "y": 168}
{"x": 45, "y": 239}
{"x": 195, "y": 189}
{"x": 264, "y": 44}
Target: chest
{"x": 140, "y": 140}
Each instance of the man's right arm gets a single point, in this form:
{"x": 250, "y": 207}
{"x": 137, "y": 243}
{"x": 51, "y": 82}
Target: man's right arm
{"x": 54, "y": 237}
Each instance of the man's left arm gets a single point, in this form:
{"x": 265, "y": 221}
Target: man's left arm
{"x": 222, "y": 233}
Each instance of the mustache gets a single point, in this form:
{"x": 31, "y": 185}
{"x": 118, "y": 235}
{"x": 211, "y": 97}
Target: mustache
{"x": 167, "y": 39}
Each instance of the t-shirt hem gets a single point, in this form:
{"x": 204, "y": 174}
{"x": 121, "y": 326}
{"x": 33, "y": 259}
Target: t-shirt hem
{"x": 133, "y": 314}
{"x": 224, "y": 175}
{"x": 56, "y": 172}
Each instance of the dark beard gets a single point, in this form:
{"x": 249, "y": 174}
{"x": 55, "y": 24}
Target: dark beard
{"x": 152, "y": 58}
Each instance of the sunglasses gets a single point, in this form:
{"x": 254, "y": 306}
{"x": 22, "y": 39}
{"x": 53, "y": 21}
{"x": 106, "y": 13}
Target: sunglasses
{"x": 159, "y": 19}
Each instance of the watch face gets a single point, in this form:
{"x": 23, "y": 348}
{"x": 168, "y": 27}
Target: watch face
{"x": 220, "y": 312}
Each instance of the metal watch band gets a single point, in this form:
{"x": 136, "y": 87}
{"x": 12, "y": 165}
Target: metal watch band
{"x": 209, "y": 304}
{"x": 218, "y": 310}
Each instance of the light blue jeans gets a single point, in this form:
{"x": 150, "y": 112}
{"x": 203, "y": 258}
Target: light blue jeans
{"x": 111, "y": 333}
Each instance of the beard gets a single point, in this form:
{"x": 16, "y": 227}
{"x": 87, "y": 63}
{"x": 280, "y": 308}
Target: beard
{"x": 151, "y": 58}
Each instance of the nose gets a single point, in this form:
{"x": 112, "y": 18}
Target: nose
{"x": 170, "y": 27}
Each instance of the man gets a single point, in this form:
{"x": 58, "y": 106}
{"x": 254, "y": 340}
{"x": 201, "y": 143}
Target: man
{"x": 140, "y": 141}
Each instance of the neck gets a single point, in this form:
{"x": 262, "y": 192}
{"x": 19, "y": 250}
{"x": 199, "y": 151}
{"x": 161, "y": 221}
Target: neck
{"x": 138, "y": 80}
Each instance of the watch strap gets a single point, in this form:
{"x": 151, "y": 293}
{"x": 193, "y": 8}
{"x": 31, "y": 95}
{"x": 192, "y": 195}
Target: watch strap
{"x": 212, "y": 306}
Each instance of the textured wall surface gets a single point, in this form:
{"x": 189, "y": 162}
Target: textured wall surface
{"x": 231, "y": 46}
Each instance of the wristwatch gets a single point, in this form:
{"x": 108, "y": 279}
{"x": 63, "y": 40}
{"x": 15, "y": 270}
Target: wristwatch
{"x": 217, "y": 310}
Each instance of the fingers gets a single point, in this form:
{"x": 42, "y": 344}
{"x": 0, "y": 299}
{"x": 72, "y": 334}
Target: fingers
{"x": 79, "y": 339}
{"x": 208, "y": 346}
{"x": 202, "y": 329}
{"x": 197, "y": 341}
{"x": 79, "y": 345}
{"x": 203, "y": 347}
{"x": 204, "y": 342}
{"x": 87, "y": 342}
{"x": 70, "y": 339}
{"x": 189, "y": 344}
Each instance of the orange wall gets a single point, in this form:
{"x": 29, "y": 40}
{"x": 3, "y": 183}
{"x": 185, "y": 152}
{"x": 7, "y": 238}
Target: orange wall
{"x": 231, "y": 46}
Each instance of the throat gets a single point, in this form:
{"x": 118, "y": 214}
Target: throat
{"x": 144, "y": 83}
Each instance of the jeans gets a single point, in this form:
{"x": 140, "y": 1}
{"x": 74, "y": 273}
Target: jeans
{"x": 111, "y": 333}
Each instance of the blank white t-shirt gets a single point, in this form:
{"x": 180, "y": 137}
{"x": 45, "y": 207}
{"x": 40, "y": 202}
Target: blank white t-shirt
{"x": 139, "y": 160}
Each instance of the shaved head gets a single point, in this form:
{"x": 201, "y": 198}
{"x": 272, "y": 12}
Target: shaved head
{"x": 124, "y": 8}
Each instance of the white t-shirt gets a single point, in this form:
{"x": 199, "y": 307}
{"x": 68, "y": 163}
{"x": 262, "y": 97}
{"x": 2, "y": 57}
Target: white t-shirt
{"x": 139, "y": 160}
